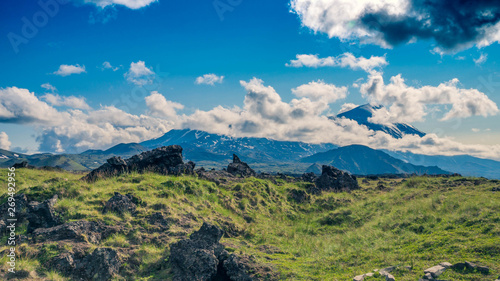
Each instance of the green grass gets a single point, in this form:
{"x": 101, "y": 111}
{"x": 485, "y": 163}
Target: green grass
{"x": 419, "y": 222}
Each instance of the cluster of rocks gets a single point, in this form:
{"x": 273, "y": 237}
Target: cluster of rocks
{"x": 434, "y": 272}
{"x": 332, "y": 179}
{"x": 385, "y": 272}
{"x": 203, "y": 258}
{"x": 44, "y": 225}
{"x": 164, "y": 160}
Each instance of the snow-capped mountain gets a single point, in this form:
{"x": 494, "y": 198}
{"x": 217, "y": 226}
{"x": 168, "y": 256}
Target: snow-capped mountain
{"x": 200, "y": 145}
{"x": 362, "y": 113}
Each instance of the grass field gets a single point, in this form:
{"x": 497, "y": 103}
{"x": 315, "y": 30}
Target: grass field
{"x": 417, "y": 222}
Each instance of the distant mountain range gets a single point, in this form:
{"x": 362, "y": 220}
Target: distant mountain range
{"x": 362, "y": 113}
{"x": 215, "y": 151}
{"x": 362, "y": 160}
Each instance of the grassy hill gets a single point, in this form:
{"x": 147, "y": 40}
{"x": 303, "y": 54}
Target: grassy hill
{"x": 417, "y": 222}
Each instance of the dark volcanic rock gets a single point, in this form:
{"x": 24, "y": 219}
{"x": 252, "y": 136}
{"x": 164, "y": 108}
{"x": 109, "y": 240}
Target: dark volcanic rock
{"x": 23, "y": 164}
{"x": 101, "y": 265}
{"x": 217, "y": 176}
{"x": 203, "y": 258}
{"x": 334, "y": 179}
{"x": 120, "y": 204}
{"x": 239, "y": 168}
{"x": 42, "y": 215}
{"x": 164, "y": 160}
{"x": 299, "y": 196}
{"x": 82, "y": 231}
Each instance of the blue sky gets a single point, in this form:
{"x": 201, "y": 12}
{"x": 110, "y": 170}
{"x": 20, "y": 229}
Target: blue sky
{"x": 182, "y": 40}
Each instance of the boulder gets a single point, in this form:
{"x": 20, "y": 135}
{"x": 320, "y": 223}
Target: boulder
{"x": 299, "y": 196}
{"x": 240, "y": 168}
{"x": 23, "y": 164}
{"x": 334, "y": 179}
{"x": 101, "y": 265}
{"x": 437, "y": 270}
{"x": 82, "y": 231}
{"x": 165, "y": 160}
{"x": 203, "y": 258}
{"x": 120, "y": 204}
{"x": 42, "y": 215}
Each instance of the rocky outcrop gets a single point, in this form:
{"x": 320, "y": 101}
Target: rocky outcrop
{"x": 42, "y": 215}
{"x": 203, "y": 258}
{"x": 78, "y": 231}
{"x": 38, "y": 214}
{"x": 240, "y": 168}
{"x": 101, "y": 265}
{"x": 120, "y": 204}
{"x": 333, "y": 179}
{"x": 165, "y": 160}
{"x": 432, "y": 273}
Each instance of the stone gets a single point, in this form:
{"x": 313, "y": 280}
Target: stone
{"x": 82, "y": 231}
{"x": 389, "y": 277}
{"x": 197, "y": 258}
{"x": 203, "y": 258}
{"x": 101, "y": 265}
{"x": 240, "y": 168}
{"x": 435, "y": 271}
{"x": 334, "y": 179}
{"x": 42, "y": 215}
{"x": 359, "y": 278}
{"x": 158, "y": 219}
{"x": 165, "y": 160}
{"x": 120, "y": 204}
{"x": 387, "y": 270}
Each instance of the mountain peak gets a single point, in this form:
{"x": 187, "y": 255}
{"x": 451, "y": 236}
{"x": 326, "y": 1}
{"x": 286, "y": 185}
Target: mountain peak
{"x": 363, "y": 113}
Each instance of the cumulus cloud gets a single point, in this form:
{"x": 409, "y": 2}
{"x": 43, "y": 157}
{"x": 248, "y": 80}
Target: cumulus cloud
{"x": 4, "y": 141}
{"x": 22, "y": 106}
{"x": 131, "y": 4}
{"x": 160, "y": 106}
{"x": 65, "y": 70}
{"x": 346, "y": 107}
{"x": 107, "y": 65}
{"x": 209, "y": 79}
{"x": 265, "y": 114}
{"x": 452, "y": 25}
{"x": 71, "y": 101}
{"x": 475, "y": 130}
{"x": 408, "y": 104}
{"x": 320, "y": 93}
{"x": 139, "y": 74}
{"x": 345, "y": 60}
{"x": 482, "y": 59}
{"x": 49, "y": 87}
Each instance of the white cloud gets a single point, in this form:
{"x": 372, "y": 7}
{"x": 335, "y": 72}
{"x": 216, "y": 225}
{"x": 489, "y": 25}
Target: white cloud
{"x": 4, "y": 141}
{"x": 139, "y": 74}
{"x": 107, "y": 65}
{"x": 408, "y": 104}
{"x": 476, "y": 130}
{"x": 49, "y": 87}
{"x": 131, "y": 4}
{"x": 482, "y": 59}
{"x": 65, "y": 70}
{"x": 346, "y": 107}
{"x": 265, "y": 115}
{"x": 160, "y": 106}
{"x": 391, "y": 22}
{"x": 71, "y": 101}
{"x": 209, "y": 79}
{"x": 22, "y": 106}
{"x": 321, "y": 93}
{"x": 344, "y": 60}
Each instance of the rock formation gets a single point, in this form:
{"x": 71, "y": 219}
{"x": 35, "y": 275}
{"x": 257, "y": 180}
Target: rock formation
{"x": 165, "y": 160}
{"x": 120, "y": 204}
{"x": 334, "y": 179}
{"x": 203, "y": 258}
{"x": 240, "y": 168}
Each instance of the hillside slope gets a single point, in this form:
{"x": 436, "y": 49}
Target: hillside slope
{"x": 419, "y": 222}
{"x": 362, "y": 160}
